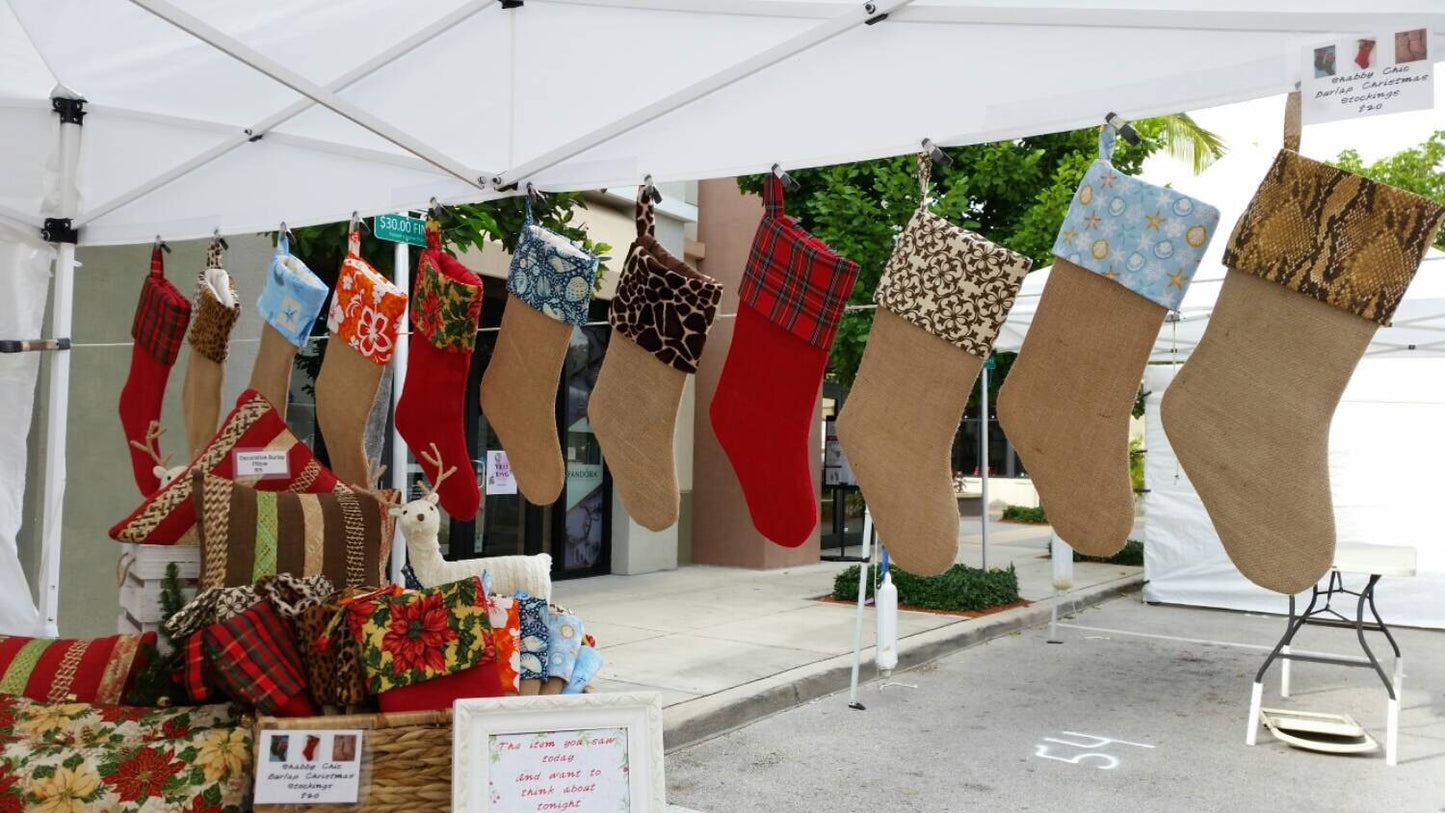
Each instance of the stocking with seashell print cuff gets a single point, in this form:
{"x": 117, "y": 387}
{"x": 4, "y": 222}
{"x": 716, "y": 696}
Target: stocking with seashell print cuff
{"x": 943, "y": 296}
{"x": 1316, "y": 264}
{"x": 366, "y": 315}
{"x": 1124, "y": 257}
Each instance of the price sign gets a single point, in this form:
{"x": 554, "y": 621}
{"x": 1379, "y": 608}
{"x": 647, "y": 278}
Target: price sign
{"x": 400, "y": 229}
{"x": 309, "y": 767}
{"x": 1372, "y": 74}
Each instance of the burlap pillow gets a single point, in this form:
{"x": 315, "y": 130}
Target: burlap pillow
{"x": 56, "y": 670}
{"x": 246, "y": 534}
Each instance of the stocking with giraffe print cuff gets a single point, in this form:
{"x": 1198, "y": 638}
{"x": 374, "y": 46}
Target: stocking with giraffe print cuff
{"x": 1124, "y": 258}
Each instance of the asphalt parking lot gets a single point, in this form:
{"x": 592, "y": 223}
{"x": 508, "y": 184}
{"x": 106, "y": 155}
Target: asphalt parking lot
{"x": 1142, "y": 708}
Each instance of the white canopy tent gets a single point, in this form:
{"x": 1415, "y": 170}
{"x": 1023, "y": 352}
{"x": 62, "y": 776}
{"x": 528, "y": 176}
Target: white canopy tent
{"x": 234, "y": 116}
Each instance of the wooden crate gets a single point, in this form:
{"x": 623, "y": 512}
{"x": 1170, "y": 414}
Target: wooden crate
{"x": 406, "y": 758}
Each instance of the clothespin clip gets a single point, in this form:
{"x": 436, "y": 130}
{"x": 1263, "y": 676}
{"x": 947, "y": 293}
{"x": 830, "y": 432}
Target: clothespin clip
{"x": 217, "y": 238}
{"x": 651, "y": 189}
{"x": 357, "y": 220}
{"x": 535, "y": 194}
{"x": 936, "y": 153}
{"x": 162, "y": 245}
{"x": 286, "y": 230}
{"x": 436, "y": 207}
{"x": 1122, "y": 127}
{"x": 789, "y": 183}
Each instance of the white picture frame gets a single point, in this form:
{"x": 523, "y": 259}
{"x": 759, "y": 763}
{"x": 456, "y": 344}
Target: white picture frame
{"x": 477, "y": 723}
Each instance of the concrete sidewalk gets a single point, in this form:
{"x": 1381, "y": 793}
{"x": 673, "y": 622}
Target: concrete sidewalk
{"x": 724, "y": 646}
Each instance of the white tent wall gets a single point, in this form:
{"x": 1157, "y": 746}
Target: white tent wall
{"x": 24, "y": 290}
{"x": 1386, "y": 445}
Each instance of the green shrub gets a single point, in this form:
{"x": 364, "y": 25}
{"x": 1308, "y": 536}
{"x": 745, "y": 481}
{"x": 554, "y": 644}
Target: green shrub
{"x": 1022, "y": 513}
{"x": 958, "y": 588}
{"x": 1136, "y": 465}
{"x": 1132, "y": 554}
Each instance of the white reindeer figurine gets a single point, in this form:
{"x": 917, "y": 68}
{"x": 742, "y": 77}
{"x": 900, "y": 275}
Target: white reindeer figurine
{"x": 163, "y": 470}
{"x": 420, "y": 520}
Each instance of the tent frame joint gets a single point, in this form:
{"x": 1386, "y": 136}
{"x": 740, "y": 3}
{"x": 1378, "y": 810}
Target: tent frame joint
{"x": 60, "y": 229}
{"x": 871, "y": 9}
{"x": 71, "y": 111}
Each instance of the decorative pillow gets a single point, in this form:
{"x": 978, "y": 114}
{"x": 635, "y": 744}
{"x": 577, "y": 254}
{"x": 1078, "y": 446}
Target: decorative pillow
{"x": 168, "y": 517}
{"x": 247, "y": 534}
{"x": 662, "y": 304}
{"x": 1147, "y": 238}
{"x": 257, "y": 662}
{"x": 551, "y": 273}
{"x": 330, "y": 636}
{"x": 1345, "y": 240}
{"x": 418, "y": 636}
{"x": 564, "y": 639}
{"x": 505, "y": 618}
{"x": 534, "y": 617}
{"x": 589, "y": 663}
{"x": 440, "y": 693}
{"x": 56, "y": 670}
{"x": 77, "y": 725}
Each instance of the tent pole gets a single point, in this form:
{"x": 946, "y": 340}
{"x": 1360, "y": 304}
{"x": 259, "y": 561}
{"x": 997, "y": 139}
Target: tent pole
{"x": 291, "y": 111}
{"x": 246, "y": 55}
{"x": 983, "y": 462}
{"x": 53, "y": 501}
{"x": 401, "y": 277}
{"x": 862, "y": 14}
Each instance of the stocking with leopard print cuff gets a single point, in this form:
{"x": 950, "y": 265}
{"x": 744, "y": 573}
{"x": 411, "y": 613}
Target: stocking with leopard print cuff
{"x": 1123, "y": 259}
{"x": 660, "y": 317}
{"x": 943, "y": 296}
{"x": 366, "y": 314}
{"x": 212, "y": 317}
{"x": 789, "y": 303}
{"x": 1317, "y": 263}
{"x": 446, "y": 302}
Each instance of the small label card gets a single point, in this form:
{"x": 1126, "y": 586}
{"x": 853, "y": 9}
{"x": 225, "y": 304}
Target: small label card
{"x": 263, "y": 463}
{"x": 309, "y": 767}
{"x": 1390, "y": 71}
{"x": 499, "y": 474}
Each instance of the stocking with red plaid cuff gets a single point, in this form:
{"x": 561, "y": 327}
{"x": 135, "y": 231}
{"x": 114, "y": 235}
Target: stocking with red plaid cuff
{"x": 159, "y": 327}
{"x": 790, "y": 300}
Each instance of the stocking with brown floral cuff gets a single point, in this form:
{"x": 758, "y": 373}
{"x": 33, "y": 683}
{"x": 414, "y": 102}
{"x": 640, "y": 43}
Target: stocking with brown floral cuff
{"x": 159, "y": 327}
{"x": 446, "y": 303}
{"x": 790, "y": 300}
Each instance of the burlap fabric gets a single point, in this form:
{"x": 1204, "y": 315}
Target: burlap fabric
{"x": 209, "y": 339}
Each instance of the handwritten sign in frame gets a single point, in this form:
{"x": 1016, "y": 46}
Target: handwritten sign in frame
{"x": 477, "y": 721}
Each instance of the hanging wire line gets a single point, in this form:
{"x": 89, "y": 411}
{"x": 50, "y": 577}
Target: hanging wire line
{"x": 325, "y": 336}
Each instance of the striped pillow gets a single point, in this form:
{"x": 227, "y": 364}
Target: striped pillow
{"x": 246, "y": 534}
{"x": 168, "y": 517}
{"x": 52, "y": 670}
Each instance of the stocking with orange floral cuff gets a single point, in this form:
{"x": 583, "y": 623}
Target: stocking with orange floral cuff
{"x": 790, "y": 301}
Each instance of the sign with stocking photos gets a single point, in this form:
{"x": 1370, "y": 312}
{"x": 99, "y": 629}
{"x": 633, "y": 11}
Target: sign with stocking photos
{"x": 1388, "y": 71}
{"x": 309, "y": 767}
{"x": 582, "y": 753}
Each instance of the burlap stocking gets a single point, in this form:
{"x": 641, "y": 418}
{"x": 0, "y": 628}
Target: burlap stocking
{"x": 1125, "y": 255}
{"x": 943, "y": 296}
{"x": 1318, "y": 262}
{"x": 548, "y": 290}
{"x": 660, "y": 317}
{"x": 289, "y": 303}
{"x": 366, "y": 315}
{"x": 212, "y": 317}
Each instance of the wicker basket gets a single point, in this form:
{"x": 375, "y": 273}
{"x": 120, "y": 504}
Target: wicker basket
{"x": 406, "y": 758}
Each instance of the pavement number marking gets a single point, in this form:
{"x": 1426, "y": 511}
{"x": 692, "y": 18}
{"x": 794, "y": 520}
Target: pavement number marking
{"x": 1107, "y": 762}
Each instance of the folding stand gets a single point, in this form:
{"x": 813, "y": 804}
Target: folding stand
{"x": 1371, "y": 560}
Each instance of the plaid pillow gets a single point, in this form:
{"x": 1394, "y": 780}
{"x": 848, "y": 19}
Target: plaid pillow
{"x": 794, "y": 279}
{"x": 247, "y": 534}
{"x": 168, "y": 517}
{"x": 418, "y": 636}
{"x": 88, "y": 670}
{"x": 257, "y": 662}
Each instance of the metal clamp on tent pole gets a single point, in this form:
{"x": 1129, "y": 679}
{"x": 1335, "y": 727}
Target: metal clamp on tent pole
{"x": 1122, "y": 127}
{"x": 30, "y": 345}
{"x": 871, "y": 9}
{"x": 936, "y": 153}
{"x": 59, "y": 230}
{"x": 71, "y": 110}
{"x": 789, "y": 182}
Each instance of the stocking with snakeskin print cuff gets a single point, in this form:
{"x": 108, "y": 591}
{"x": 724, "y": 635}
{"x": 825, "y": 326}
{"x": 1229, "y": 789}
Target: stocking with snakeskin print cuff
{"x": 1317, "y": 263}
{"x": 943, "y": 296}
{"x": 660, "y": 318}
{"x": 1124, "y": 257}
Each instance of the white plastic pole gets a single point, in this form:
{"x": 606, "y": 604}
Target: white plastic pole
{"x": 1063, "y": 571}
{"x": 858, "y": 625}
{"x": 401, "y": 277}
{"x": 52, "y": 520}
{"x": 983, "y": 463}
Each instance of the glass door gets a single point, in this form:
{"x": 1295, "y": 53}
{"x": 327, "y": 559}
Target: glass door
{"x": 582, "y": 520}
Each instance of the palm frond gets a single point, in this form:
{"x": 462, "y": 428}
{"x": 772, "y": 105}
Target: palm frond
{"x": 1185, "y": 140}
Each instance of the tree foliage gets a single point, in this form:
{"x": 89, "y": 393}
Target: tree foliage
{"x": 1419, "y": 169}
{"x": 1015, "y": 193}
